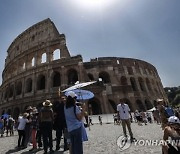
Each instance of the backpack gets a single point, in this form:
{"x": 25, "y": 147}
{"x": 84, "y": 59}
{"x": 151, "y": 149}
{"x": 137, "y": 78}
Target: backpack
{"x": 169, "y": 112}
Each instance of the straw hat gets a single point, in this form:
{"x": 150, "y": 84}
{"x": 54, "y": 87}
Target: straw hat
{"x": 34, "y": 111}
{"x": 47, "y": 103}
{"x": 29, "y": 108}
{"x": 25, "y": 115}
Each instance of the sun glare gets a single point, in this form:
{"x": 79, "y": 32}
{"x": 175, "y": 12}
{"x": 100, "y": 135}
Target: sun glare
{"x": 89, "y": 4}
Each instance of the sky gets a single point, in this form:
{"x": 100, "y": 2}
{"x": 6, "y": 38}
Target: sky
{"x": 148, "y": 30}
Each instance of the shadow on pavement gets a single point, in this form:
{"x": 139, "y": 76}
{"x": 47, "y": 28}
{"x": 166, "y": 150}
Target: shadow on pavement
{"x": 13, "y": 150}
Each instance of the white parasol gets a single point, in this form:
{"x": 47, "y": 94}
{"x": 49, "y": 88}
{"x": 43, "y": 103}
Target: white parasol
{"x": 79, "y": 85}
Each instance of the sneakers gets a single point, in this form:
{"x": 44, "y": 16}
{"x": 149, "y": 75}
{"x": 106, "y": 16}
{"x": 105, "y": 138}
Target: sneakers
{"x": 33, "y": 150}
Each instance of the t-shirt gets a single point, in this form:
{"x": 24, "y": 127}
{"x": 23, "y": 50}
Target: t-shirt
{"x": 123, "y": 110}
{"x": 71, "y": 120}
{"x": 22, "y": 123}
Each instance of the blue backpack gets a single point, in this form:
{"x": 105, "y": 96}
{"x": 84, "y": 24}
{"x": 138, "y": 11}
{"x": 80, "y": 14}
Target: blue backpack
{"x": 169, "y": 112}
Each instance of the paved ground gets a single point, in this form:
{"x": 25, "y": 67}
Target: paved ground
{"x": 102, "y": 140}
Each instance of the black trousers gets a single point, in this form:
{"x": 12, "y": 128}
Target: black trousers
{"x": 59, "y": 132}
{"x": 21, "y": 139}
{"x": 46, "y": 130}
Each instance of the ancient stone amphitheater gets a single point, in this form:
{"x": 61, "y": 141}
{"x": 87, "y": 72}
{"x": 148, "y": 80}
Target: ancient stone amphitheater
{"x": 38, "y": 63}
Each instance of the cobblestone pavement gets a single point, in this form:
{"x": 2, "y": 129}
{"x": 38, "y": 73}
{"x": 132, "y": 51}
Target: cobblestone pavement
{"x": 102, "y": 140}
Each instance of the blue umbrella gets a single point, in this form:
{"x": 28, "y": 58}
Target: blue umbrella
{"x": 82, "y": 94}
{"x": 5, "y": 115}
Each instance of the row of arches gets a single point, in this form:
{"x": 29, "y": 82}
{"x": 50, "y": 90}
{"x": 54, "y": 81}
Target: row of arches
{"x": 32, "y": 61}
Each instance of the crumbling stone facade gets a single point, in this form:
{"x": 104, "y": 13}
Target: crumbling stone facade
{"x": 39, "y": 63}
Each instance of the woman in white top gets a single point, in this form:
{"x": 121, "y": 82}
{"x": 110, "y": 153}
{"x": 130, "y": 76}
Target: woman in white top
{"x": 22, "y": 120}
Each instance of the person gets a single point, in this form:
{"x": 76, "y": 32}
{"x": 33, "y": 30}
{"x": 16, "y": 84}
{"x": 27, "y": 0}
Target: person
{"x": 46, "y": 122}
{"x": 73, "y": 116}
{"x": 124, "y": 115}
{"x": 10, "y": 125}
{"x": 28, "y": 129}
{"x": 22, "y": 120}
{"x": 90, "y": 121}
{"x": 144, "y": 117}
{"x": 60, "y": 122}
{"x": 138, "y": 117}
{"x": 1, "y": 126}
{"x": 172, "y": 130}
{"x": 34, "y": 127}
{"x": 162, "y": 111}
{"x": 100, "y": 120}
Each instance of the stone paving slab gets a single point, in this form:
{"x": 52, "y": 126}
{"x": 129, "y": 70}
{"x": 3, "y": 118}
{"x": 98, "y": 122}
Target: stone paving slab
{"x": 102, "y": 140}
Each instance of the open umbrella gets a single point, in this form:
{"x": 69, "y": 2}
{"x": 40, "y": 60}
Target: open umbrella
{"x": 79, "y": 85}
{"x": 82, "y": 94}
{"x": 5, "y": 115}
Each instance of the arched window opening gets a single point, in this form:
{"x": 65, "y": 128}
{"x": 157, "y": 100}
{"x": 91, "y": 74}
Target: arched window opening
{"x": 44, "y": 58}
{"x": 11, "y": 91}
{"x": 56, "y": 54}
{"x": 130, "y": 70}
{"x": 19, "y": 88}
{"x": 105, "y": 77}
{"x": 133, "y": 84}
{"x": 33, "y": 62}
{"x": 56, "y": 79}
{"x": 91, "y": 77}
{"x": 113, "y": 105}
{"x": 140, "y": 105}
{"x": 148, "y": 104}
{"x": 72, "y": 76}
{"x": 141, "y": 84}
{"x": 148, "y": 84}
{"x": 94, "y": 107}
{"x": 28, "y": 85}
{"x": 124, "y": 81}
{"x": 41, "y": 82}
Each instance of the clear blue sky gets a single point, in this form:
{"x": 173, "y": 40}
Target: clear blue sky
{"x": 144, "y": 29}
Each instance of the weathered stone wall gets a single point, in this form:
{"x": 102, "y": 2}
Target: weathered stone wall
{"x": 39, "y": 63}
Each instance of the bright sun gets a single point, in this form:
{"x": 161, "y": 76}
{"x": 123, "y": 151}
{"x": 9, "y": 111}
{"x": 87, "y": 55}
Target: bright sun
{"x": 88, "y": 4}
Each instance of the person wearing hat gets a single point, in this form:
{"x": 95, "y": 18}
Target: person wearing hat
{"x": 162, "y": 112}
{"x": 46, "y": 125}
{"x": 73, "y": 116}
{"x": 172, "y": 130}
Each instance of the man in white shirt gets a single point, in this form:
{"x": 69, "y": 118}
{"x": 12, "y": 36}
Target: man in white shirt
{"x": 124, "y": 115}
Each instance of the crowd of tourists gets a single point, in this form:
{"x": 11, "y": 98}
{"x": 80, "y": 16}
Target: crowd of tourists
{"x": 35, "y": 125}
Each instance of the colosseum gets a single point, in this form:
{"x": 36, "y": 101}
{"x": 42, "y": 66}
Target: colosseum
{"x": 38, "y": 63}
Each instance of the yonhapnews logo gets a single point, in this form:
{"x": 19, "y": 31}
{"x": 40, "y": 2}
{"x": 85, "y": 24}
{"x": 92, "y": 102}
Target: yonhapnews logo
{"x": 123, "y": 142}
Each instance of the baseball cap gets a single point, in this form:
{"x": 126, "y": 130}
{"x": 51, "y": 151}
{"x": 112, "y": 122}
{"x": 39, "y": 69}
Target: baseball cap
{"x": 72, "y": 94}
{"x": 174, "y": 119}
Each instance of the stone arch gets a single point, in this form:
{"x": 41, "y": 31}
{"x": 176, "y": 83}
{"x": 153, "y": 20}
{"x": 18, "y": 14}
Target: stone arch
{"x": 11, "y": 91}
{"x": 3, "y": 111}
{"x": 127, "y": 101}
{"x": 19, "y": 88}
{"x": 141, "y": 84}
{"x": 16, "y": 113}
{"x": 56, "y": 54}
{"x": 28, "y": 85}
{"x": 9, "y": 111}
{"x": 56, "y": 79}
{"x": 113, "y": 105}
{"x": 91, "y": 77}
{"x": 140, "y": 105}
{"x": 72, "y": 76}
{"x": 41, "y": 82}
{"x": 148, "y": 84}
{"x": 43, "y": 58}
{"x": 33, "y": 62}
{"x": 105, "y": 77}
{"x": 148, "y": 104}
{"x": 94, "y": 106}
{"x": 133, "y": 84}
{"x": 124, "y": 81}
